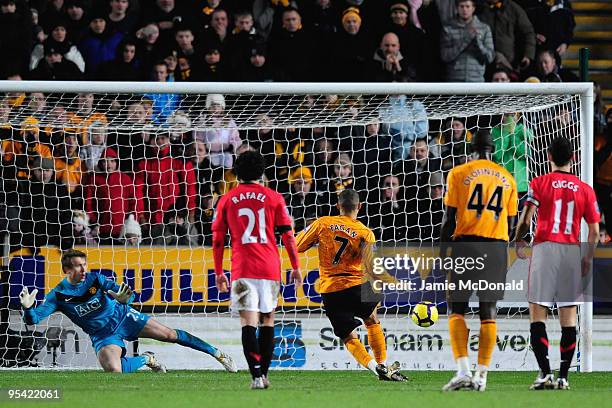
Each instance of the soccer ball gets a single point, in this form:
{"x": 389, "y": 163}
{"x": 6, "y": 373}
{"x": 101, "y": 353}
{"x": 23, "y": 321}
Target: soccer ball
{"x": 424, "y": 314}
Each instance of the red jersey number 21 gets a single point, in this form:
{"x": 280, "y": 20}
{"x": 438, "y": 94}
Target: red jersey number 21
{"x": 247, "y": 237}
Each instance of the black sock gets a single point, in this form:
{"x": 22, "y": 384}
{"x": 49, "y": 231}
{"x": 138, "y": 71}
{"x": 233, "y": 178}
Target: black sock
{"x": 266, "y": 347}
{"x": 539, "y": 345}
{"x": 251, "y": 350}
{"x": 567, "y": 347}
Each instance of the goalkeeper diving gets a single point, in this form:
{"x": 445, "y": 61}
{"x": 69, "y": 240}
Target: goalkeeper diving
{"x": 345, "y": 263}
{"x": 101, "y": 308}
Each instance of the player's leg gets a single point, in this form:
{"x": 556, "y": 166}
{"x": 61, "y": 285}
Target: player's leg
{"x": 567, "y": 346}
{"x": 486, "y": 343}
{"x": 155, "y": 330}
{"x": 358, "y": 351}
{"x": 265, "y": 339}
{"x": 112, "y": 360}
{"x": 250, "y": 346}
{"x": 459, "y": 344}
{"x": 376, "y": 338}
{"x": 538, "y": 314}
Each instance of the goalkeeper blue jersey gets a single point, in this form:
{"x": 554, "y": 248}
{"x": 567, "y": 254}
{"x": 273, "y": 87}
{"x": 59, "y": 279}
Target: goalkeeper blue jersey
{"x": 86, "y": 304}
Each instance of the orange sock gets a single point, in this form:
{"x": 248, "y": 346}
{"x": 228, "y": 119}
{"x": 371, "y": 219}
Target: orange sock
{"x": 376, "y": 338}
{"x": 486, "y": 343}
{"x": 458, "y": 335}
{"x": 358, "y": 350}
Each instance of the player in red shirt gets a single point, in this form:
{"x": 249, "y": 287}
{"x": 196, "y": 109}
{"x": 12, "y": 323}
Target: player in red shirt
{"x": 253, "y": 214}
{"x": 557, "y": 263}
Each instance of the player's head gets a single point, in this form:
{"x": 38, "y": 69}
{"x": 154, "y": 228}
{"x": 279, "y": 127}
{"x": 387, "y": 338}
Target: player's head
{"x": 74, "y": 264}
{"x": 348, "y": 202}
{"x": 249, "y": 166}
{"x": 560, "y": 151}
{"x": 482, "y": 143}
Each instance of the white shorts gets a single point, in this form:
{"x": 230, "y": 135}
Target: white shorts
{"x": 555, "y": 275}
{"x": 254, "y": 295}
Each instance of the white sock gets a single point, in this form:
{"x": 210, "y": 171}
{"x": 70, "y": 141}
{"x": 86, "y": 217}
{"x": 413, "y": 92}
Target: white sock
{"x": 482, "y": 370}
{"x": 372, "y": 366}
{"x": 463, "y": 366}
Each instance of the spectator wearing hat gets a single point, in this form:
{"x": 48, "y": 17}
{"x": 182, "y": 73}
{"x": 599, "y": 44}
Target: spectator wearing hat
{"x": 53, "y": 67}
{"x": 58, "y": 40}
{"x": 388, "y": 63}
{"x": 15, "y": 37}
{"x": 291, "y": 51}
{"x": 513, "y": 34}
{"x": 120, "y": 19}
{"x": 411, "y": 38}
{"x": 125, "y": 66}
{"x": 82, "y": 233}
{"x": 131, "y": 233}
{"x": 258, "y": 68}
{"x": 91, "y": 152}
{"x": 77, "y": 20}
{"x": 165, "y": 184}
{"x": 111, "y": 197}
{"x": 99, "y": 44}
{"x": 302, "y": 200}
{"x": 466, "y": 45}
{"x": 548, "y": 69}
{"x": 44, "y": 210}
{"x": 351, "y": 49}
{"x": 221, "y": 133}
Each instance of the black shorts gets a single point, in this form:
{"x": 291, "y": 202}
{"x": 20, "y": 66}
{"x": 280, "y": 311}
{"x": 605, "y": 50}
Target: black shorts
{"x": 344, "y": 306}
{"x": 486, "y": 275}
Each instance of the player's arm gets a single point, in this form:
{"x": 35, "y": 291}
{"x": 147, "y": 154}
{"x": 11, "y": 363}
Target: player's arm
{"x": 522, "y": 230}
{"x": 593, "y": 239}
{"x": 34, "y": 315}
{"x": 282, "y": 225}
{"x": 219, "y": 230}
{"x": 121, "y": 293}
{"x": 308, "y": 237}
{"x": 449, "y": 223}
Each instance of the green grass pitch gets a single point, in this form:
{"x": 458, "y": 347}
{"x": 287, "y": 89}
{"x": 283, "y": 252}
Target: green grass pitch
{"x": 313, "y": 389}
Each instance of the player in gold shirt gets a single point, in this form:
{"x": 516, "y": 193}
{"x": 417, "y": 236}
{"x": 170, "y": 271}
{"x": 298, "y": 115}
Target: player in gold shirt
{"x": 345, "y": 255}
{"x": 481, "y": 203}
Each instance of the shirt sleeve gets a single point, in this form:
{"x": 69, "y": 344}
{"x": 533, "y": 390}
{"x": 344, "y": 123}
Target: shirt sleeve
{"x": 592, "y": 214}
{"x": 309, "y": 236}
{"x": 450, "y": 198}
{"x": 513, "y": 204}
{"x": 282, "y": 217}
{"x": 34, "y": 315}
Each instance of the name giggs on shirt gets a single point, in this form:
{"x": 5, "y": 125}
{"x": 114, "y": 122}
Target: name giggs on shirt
{"x": 570, "y": 185}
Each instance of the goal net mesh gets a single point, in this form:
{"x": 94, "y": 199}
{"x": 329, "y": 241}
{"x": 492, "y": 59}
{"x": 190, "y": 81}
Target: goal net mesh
{"x": 133, "y": 181}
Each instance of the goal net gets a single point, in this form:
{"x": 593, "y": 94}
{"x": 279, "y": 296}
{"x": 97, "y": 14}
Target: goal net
{"x": 132, "y": 178}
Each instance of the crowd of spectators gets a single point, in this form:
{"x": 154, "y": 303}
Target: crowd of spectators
{"x": 70, "y": 176}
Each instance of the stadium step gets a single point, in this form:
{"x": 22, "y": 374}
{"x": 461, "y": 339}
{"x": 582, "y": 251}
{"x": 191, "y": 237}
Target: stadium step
{"x": 594, "y": 31}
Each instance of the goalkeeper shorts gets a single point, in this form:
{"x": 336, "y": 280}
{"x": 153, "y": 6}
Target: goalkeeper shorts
{"x": 130, "y": 327}
{"x": 345, "y": 306}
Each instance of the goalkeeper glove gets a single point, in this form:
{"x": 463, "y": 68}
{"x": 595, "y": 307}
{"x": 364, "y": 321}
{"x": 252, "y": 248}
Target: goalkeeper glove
{"x": 122, "y": 295}
{"x": 26, "y": 298}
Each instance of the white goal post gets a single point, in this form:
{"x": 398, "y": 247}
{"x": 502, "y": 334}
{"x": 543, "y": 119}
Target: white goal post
{"x": 353, "y": 104}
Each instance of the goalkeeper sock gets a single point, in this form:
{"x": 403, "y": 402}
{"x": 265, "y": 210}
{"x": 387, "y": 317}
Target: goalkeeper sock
{"x": 250, "y": 346}
{"x": 539, "y": 345}
{"x": 567, "y": 347}
{"x": 376, "y": 338}
{"x": 189, "y": 340}
{"x": 266, "y": 347}
{"x": 358, "y": 350}
{"x": 132, "y": 364}
{"x": 486, "y": 342}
